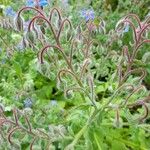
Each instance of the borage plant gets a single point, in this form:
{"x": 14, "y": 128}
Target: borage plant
{"x": 73, "y": 62}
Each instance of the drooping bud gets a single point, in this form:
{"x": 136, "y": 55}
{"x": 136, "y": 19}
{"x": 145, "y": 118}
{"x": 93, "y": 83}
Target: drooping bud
{"x": 36, "y": 30}
{"x": 69, "y": 35}
{"x": 27, "y": 111}
{"x": 61, "y": 84}
{"x": 69, "y": 94}
{"x": 91, "y": 84}
{"x": 19, "y": 22}
{"x": 92, "y": 27}
{"x": 79, "y": 30}
{"x": 122, "y": 26}
{"x": 24, "y": 42}
{"x": 119, "y": 26}
{"x": 87, "y": 62}
{"x": 146, "y": 57}
{"x": 117, "y": 120}
{"x": 59, "y": 23}
{"x": 30, "y": 36}
{"x": 102, "y": 26}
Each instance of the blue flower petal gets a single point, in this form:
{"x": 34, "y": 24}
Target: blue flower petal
{"x": 88, "y": 14}
{"x": 9, "y": 12}
{"x": 43, "y": 3}
{"x": 28, "y": 103}
{"x": 53, "y": 102}
{"x": 32, "y": 3}
{"x": 126, "y": 28}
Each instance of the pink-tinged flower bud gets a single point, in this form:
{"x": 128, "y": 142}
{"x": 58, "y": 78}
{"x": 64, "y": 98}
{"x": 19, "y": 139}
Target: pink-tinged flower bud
{"x": 19, "y": 23}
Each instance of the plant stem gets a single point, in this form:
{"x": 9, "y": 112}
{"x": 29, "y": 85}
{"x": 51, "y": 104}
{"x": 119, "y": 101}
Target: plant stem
{"x": 81, "y": 132}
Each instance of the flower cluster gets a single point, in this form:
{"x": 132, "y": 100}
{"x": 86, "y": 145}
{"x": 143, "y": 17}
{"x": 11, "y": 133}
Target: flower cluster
{"x": 88, "y": 14}
{"x": 53, "y": 102}
{"x": 28, "y": 103}
{"x": 33, "y": 3}
{"x": 9, "y": 12}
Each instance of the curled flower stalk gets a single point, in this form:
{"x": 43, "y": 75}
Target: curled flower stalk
{"x": 16, "y": 125}
{"x": 78, "y": 77}
{"x": 138, "y": 42}
{"x": 69, "y": 54}
{"x": 126, "y": 65}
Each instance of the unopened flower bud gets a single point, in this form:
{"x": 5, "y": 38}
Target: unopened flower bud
{"x": 19, "y": 23}
{"x": 30, "y": 36}
{"x": 24, "y": 42}
{"x": 69, "y": 94}
{"x": 69, "y": 35}
{"x": 79, "y": 30}
{"x": 59, "y": 22}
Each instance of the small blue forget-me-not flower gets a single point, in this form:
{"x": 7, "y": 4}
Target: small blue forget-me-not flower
{"x": 20, "y": 46}
{"x": 88, "y": 14}
{"x": 53, "y": 102}
{"x": 28, "y": 103}
{"x": 33, "y": 3}
{"x": 126, "y": 29}
{"x": 64, "y": 2}
{"x": 3, "y": 61}
{"x": 9, "y": 12}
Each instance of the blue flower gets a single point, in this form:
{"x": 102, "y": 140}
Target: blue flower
{"x": 53, "y": 102}
{"x": 126, "y": 29}
{"x": 88, "y": 14}
{"x": 33, "y": 3}
{"x": 20, "y": 46}
{"x": 43, "y": 2}
{"x": 28, "y": 103}
{"x": 9, "y": 12}
{"x": 64, "y": 2}
{"x": 3, "y": 61}
{"x": 30, "y": 3}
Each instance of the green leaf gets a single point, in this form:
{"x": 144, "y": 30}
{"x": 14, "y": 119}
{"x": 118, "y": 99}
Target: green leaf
{"x": 117, "y": 145}
{"x": 97, "y": 140}
{"x": 17, "y": 68}
{"x": 100, "y": 88}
